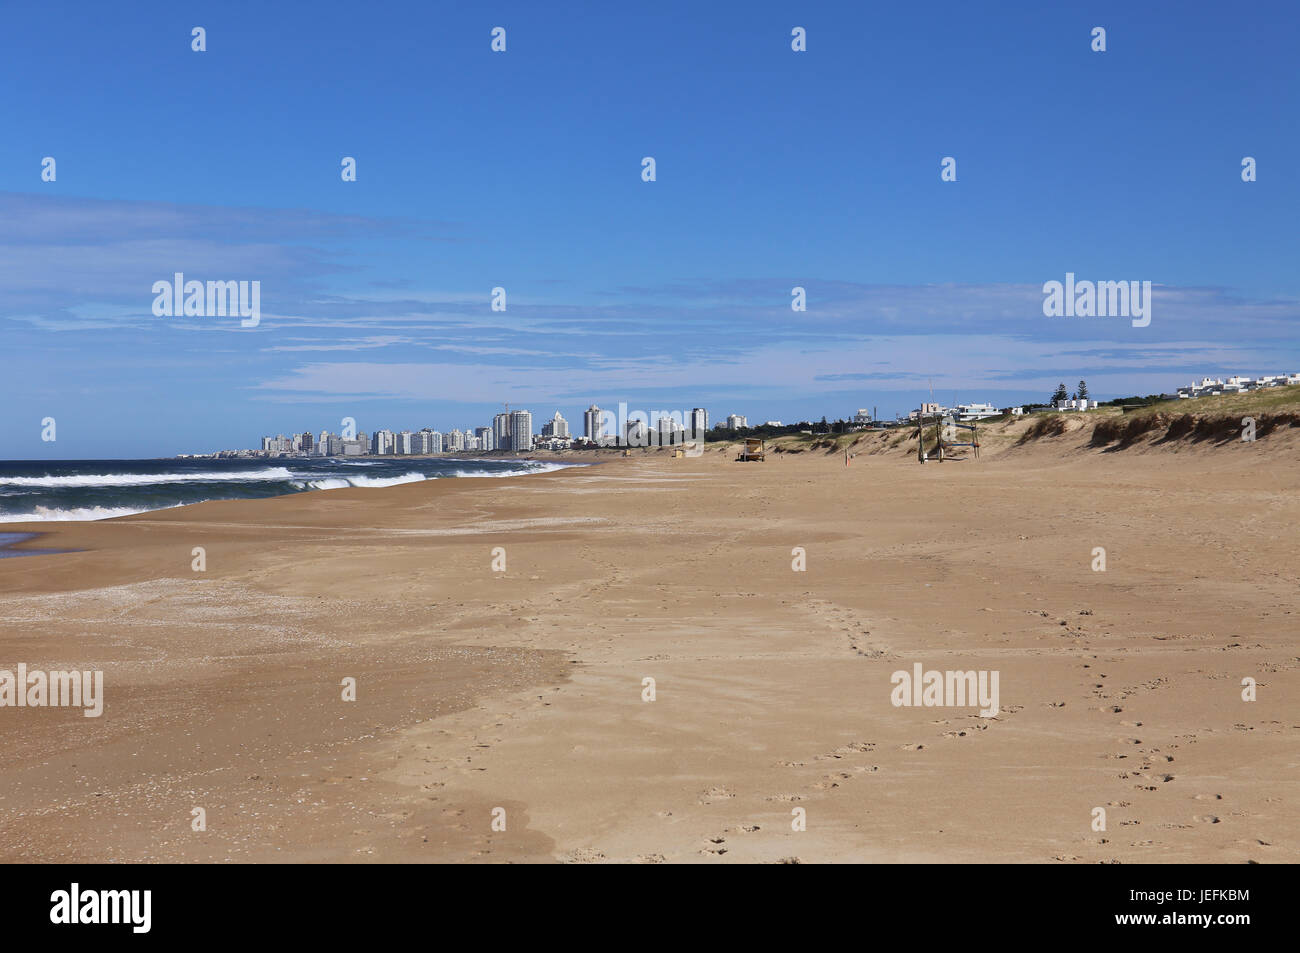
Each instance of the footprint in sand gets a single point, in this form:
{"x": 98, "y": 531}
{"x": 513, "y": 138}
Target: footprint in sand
{"x": 715, "y": 846}
{"x": 831, "y": 781}
{"x": 585, "y": 855}
{"x": 855, "y": 746}
{"x": 967, "y": 731}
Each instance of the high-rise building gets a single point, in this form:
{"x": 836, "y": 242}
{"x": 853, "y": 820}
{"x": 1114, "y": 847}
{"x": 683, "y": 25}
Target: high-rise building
{"x": 699, "y": 422}
{"x": 308, "y": 442}
{"x": 427, "y": 441}
{"x": 557, "y": 426}
{"x": 591, "y": 428}
{"x": 670, "y": 430}
{"x": 501, "y": 431}
{"x": 485, "y": 438}
{"x": 382, "y": 442}
{"x": 402, "y": 444}
{"x": 736, "y": 421}
{"x": 521, "y": 430}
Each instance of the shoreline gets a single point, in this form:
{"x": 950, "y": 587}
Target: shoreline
{"x": 27, "y": 529}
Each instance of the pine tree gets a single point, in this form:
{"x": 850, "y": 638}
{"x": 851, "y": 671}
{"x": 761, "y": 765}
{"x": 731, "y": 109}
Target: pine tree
{"x": 1061, "y": 393}
{"x": 1083, "y": 390}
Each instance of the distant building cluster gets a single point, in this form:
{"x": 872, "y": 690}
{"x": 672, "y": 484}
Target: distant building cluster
{"x": 1212, "y": 387}
{"x": 605, "y": 428}
{"x": 509, "y": 431}
{"x": 965, "y": 412}
{"x": 512, "y": 431}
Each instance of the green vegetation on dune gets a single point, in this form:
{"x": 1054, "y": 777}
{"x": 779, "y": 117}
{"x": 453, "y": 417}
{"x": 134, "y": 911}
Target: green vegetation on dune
{"x": 1272, "y": 399}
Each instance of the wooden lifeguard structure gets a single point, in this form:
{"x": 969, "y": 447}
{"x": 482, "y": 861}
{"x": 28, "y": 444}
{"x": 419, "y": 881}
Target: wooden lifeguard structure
{"x": 753, "y": 450}
{"x": 941, "y": 424}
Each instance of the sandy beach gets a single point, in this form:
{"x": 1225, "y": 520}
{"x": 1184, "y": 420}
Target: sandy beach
{"x": 524, "y": 689}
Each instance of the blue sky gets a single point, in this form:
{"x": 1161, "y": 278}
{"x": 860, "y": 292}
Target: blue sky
{"x": 522, "y": 170}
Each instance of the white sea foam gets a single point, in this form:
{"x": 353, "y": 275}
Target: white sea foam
{"x": 331, "y": 483}
{"x": 145, "y": 479}
{"x": 337, "y": 483}
{"x": 46, "y": 514}
{"x": 387, "y": 481}
{"x": 523, "y": 471}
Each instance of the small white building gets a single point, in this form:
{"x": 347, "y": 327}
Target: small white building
{"x": 1075, "y": 404}
{"x": 976, "y": 411}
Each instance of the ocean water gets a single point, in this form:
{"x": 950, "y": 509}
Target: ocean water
{"x": 99, "y": 489}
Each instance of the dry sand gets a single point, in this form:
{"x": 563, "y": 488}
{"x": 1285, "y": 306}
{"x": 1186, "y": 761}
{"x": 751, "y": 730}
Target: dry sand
{"x": 523, "y": 689}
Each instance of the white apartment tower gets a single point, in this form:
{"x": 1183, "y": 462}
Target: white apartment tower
{"x": 501, "y": 431}
{"x": 557, "y": 426}
{"x": 699, "y": 422}
{"x": 521, "y": 430}
{"x": 591, "y": 423}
